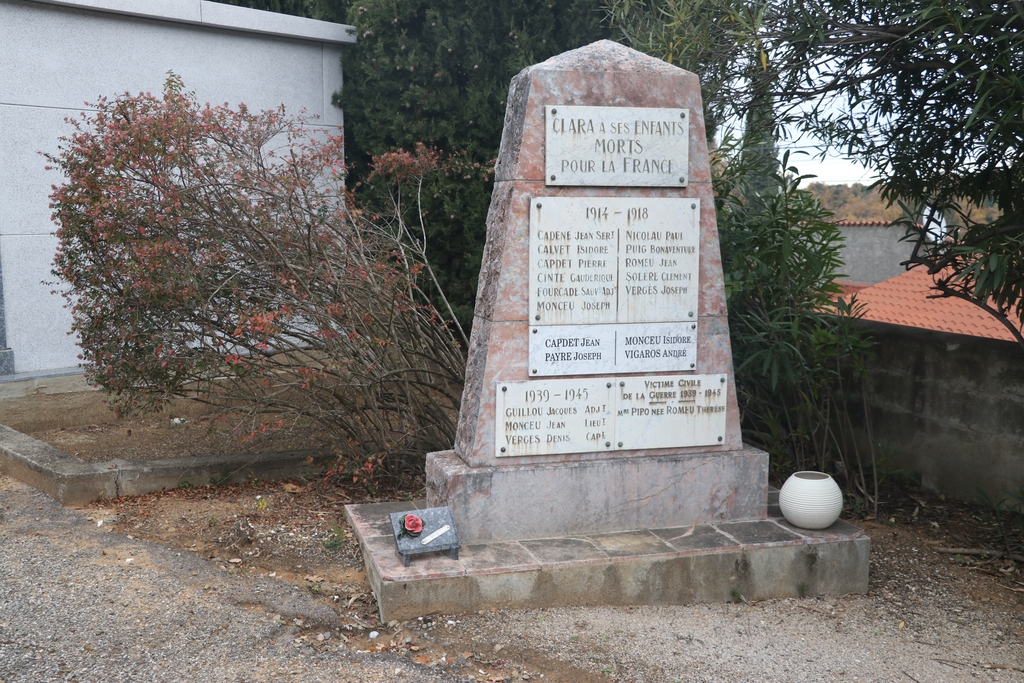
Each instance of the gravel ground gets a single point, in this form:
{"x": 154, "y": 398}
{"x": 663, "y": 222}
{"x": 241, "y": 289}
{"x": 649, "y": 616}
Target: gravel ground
{"x": 78, "y": 604}
{"x": 74, "y": 608}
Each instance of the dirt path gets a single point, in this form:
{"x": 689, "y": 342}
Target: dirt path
{"x": 929, "y": 616}
{"x": 176, "y": 435}
{"x": 81, "y": 604}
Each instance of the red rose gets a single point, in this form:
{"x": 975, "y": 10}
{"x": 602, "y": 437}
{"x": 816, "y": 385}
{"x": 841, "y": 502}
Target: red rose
{"x": 413, "y": 524}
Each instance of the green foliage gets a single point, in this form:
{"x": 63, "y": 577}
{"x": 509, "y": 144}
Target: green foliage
{"x": 717, "y": 40}
{"x": 336, "y": 540}
{"x": 1007, "y": 518}
{"x": 438, "y": 73}
{"x": 213, "y": 253}
{"x": 931, "y": 94}
{"x": 928, "y": 93}
{"x": 793, "y": 346}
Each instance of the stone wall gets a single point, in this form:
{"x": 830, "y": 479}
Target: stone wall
{"x": 59, "y": 55}
{"x": 948, "y": 406}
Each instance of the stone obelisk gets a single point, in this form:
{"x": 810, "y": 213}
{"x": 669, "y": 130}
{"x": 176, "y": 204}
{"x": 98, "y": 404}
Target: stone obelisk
{"x": 599, "y": 391}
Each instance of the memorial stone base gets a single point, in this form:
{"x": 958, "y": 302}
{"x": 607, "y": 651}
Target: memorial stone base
{"x": 757, "y": 559}
{"x": 514, "y": 502}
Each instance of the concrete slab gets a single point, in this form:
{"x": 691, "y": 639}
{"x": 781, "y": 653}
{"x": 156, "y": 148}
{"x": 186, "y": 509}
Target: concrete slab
{"x": 71, "y": 481}
{"x": 766, "y": 558}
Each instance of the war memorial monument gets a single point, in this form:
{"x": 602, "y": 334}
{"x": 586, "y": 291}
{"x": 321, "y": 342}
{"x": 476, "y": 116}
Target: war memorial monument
{"x": 599, "y": 458}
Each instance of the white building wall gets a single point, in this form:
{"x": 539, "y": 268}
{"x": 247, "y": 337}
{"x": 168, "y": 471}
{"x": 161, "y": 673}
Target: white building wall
{"x": 56, "y": 56}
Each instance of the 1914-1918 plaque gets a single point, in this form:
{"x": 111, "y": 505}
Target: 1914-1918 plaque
{"x": 613, "y": 284}
{"x": 613, "y": 260}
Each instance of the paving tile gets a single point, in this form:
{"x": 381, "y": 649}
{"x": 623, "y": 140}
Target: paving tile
{"x": 694, "y": 538}
{"x": 495, "y": 558}
{"x": 550, "y": 551}
{"x": 371, "y": 519}
{"x": 839, "y": 531}
{"x": 759, "y": 532}
{"x": 631, "y": 543}
{"x": 436, "y": 565}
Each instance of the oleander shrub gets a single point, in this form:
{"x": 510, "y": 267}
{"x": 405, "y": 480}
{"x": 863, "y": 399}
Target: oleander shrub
{"x": 795, "y": 345}
{"x": 213, "y": 253}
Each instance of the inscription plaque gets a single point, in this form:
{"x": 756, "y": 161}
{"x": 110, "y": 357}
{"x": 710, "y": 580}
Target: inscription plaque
{"x": 439, "y": 533}
{"x": 557, "y": 416}
{"x": 670, "y": 411}
{"x": 544, "y": 417}
{"x": 616, "y": 146}
{"x": 600, "y": 260}
{"x": 609, "y": 349}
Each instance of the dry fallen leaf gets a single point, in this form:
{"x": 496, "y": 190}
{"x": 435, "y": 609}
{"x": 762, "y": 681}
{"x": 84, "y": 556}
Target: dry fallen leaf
{"x": 235, "y": 560}
{"x": 291, "y": 488}
{"x": 422, "y": 660}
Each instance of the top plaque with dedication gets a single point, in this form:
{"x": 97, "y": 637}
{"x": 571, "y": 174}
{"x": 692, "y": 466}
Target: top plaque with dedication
{"x": 616, "y": 146}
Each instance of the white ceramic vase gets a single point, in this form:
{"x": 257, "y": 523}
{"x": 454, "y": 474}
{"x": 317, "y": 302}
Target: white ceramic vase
{"x": 811, "y": 500}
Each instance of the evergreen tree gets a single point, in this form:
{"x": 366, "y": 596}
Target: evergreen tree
{"x": 438, "y": 73}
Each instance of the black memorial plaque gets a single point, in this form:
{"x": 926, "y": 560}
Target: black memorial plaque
{"x": 428, "y": 540}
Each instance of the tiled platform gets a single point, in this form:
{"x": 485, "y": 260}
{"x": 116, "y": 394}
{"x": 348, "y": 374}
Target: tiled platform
{"x": 760, "y": 559}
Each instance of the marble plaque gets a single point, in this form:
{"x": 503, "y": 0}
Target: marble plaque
{"x": 544, "y": 417}
{"x": 670, "y": 411}
{"x": 438, "y": 533}
{"x": 601, "y": 260}
{"x": 616, "y": 146}
{"x": 607, "y": 349}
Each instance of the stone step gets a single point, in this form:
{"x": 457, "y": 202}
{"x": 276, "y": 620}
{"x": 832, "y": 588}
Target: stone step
{"x": 755, "y": 559}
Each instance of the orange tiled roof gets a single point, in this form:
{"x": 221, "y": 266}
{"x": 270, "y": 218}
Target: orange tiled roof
{"x": 848, "y": 287}
{"x": 861, "y": 224}
{"x": 903, "y": 300}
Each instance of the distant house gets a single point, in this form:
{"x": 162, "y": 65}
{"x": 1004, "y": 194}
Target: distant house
{"x": 872, "y": 251}
{"x": 945, "y": 388}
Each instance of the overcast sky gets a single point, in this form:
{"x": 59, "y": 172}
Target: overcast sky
{"x": 832, "y": 169}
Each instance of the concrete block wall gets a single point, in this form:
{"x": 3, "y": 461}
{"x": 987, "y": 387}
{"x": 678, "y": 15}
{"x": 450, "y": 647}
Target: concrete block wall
{"x": 57, "y": 55}
{"x": 948, "y": 407}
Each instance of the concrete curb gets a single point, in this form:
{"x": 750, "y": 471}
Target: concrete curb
{"x": 71, "y": 481}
